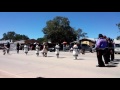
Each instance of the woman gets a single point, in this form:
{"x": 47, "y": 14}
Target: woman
{"x": 75, "y": 51}
{"x": 26, "y": 49}
{"x": 37, "y": 50}
{"x": 57, "y": 47}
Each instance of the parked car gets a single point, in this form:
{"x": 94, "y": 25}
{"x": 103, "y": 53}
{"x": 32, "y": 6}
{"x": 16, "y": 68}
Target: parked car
{"x": 1, "y": 47}
{"x": 86, "y": 47}
{"x": 52, "y": 49}
{"x": 117, "y": 48}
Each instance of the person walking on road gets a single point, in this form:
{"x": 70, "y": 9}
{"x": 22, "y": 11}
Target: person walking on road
{"x": 57, "y": 47}
{"x": 75, "y": 51}
{"x": 101, "y": 50}
{"x": 18, "y": 47}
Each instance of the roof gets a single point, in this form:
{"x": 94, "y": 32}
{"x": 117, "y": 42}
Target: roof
{"x": 4, "y": 41}
{"x": 89, "y": 39}
{"x": 21, "y": 41}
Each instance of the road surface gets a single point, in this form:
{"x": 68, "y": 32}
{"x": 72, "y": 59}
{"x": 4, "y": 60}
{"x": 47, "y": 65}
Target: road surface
{"x": 15, "y": 65}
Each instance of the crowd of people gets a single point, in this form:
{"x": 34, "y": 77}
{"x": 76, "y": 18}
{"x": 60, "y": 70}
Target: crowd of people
{"x": 104, "y": 50}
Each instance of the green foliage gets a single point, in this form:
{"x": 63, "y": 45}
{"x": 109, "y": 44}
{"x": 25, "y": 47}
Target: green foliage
{"x": 59, "y": 30}
{"x": 80, "y": 34}
{"x": 118, "y": 38}
{"x": 12, "y": 35}
{"x": 118, "y": 26}
{"x": 41, "y": 40}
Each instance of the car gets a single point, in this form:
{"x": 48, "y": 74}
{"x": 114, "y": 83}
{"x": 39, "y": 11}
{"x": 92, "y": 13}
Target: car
{"x": 117, "y": 48}
{"x": 52, "y": 49}
{"x": 86, "y": 47}
{"x": 1, "y": 47}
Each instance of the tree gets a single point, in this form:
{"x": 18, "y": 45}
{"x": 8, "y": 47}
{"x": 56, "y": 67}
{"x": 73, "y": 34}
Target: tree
{"x": 118, "y": 38}
{"x": 59, "y": 30}
{"x": 118, "y": 26}
{"x": 80, "y": 34}
{"x": 9, "y": 35}
{"x": 13, "y": 36}
{"x": 41, "y": 40}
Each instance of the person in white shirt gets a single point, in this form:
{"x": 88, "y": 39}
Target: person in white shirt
{"x": 37, "y": 49}
{"x": 26, "y": 49}
{"x": 57, "y": 47}
{"x": 75, "y": 51}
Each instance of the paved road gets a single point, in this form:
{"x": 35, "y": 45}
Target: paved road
{"x": 30, "y": 66}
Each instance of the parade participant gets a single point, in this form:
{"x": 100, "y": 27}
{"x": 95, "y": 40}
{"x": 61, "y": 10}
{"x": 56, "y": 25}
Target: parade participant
{"x": 75, "y": 51}
{"x": 8, "y": 47}
{"x": 57, "y": 47}
{"x": 111, "y": 49}
{"x": 37, "y": 50}
{"x": 26, "y": 49}
{"x": 107, "y": 54}
{"x": 45, "y": 50}
{"x": 101, "y": 46}
{"x": 4, "y": 50}
{"x": 18, "y": 47}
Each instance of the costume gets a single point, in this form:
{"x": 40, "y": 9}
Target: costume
{"x": 57, "y": 47}
{"x": 37, "y": 50}
{"x": 26, "y": 49}
{"x": 45, "y": 50}
{"x": 75, "y": 51}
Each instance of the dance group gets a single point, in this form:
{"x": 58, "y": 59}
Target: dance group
{"x": 104, "y": 49}
{"x": 44, "y": 50}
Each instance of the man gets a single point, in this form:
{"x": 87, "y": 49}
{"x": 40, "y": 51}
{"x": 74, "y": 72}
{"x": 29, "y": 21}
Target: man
{"x": 101, "y": 46}
{"x": 18, "y": 47}
{"x": 8, "y": 47}
{"x": 111, "y": 49}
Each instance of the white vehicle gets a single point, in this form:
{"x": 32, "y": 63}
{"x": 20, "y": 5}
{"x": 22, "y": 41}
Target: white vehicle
{"x": 117, "y": 48}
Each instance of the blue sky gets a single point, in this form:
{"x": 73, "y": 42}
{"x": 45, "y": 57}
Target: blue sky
{"x": 32, "y": 23}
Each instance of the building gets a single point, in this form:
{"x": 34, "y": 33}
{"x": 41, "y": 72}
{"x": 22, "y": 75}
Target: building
{"x": 88, "y": 41}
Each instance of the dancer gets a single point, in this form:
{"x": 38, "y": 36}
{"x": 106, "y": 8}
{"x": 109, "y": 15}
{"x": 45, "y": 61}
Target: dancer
{"x": 75, "y": 51}
{"x": 26, "y": 49}
{"x": 37, "y": 50}
{"x": 57, "y": 47}
{"x": 45, "y": 50}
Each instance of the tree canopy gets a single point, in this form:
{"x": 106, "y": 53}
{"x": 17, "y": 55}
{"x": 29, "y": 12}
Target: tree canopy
{"x": 13, "y": 36}
{"x": 59, "y": 30}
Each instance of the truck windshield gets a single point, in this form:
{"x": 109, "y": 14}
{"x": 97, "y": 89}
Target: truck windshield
{"x": 117, "y": 45}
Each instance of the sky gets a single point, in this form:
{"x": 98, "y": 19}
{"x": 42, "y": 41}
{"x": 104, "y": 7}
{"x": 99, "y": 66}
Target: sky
{"x": 32, "y": 23}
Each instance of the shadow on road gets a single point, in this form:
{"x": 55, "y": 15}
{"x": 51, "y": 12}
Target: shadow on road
{"x": 117, "y": 60}
{"x": 111, "y": 65}
{"x": 79, "y": 59}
